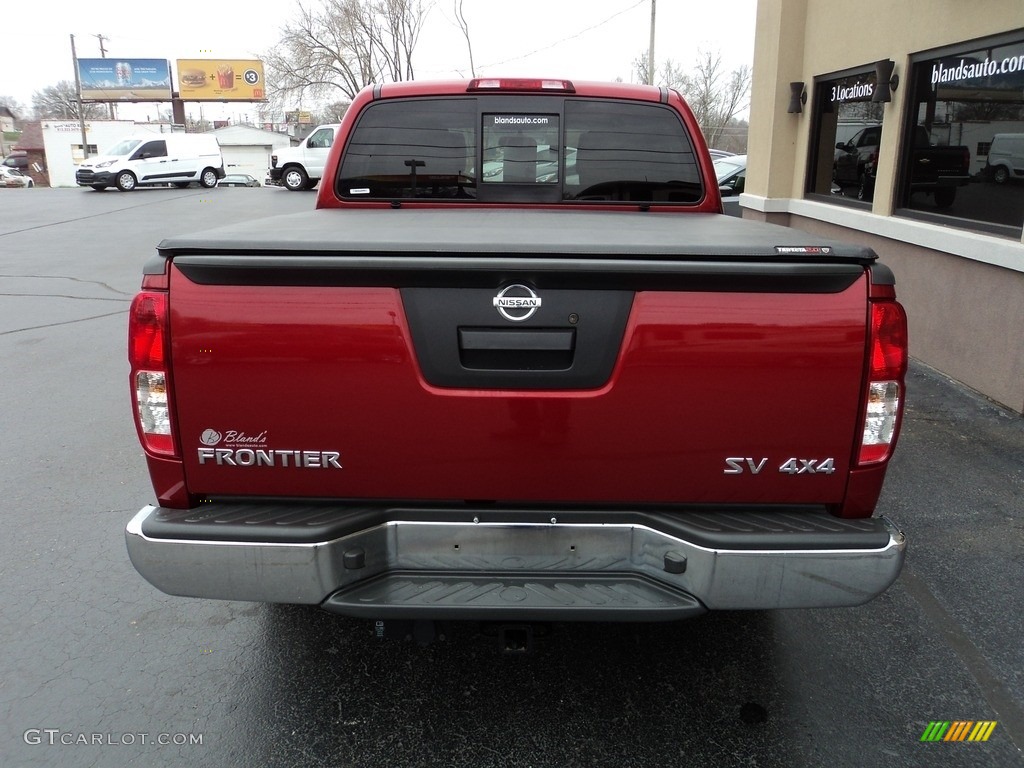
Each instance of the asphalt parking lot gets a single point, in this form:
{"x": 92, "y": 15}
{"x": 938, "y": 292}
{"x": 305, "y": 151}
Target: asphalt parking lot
{"x": 100, "y": 669}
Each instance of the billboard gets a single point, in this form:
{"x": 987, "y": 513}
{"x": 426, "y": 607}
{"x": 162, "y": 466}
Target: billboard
{"x": 221, "y": 80}
{"x": 125, "y": 79}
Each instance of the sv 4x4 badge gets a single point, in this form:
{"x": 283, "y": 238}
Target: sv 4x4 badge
{"x": 745, "y": 465}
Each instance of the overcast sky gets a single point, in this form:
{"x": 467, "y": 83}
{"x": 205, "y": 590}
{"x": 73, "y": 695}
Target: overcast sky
{"x": 583, "y": 39}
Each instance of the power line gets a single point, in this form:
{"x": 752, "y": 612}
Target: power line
{"x": 566, "y": 39}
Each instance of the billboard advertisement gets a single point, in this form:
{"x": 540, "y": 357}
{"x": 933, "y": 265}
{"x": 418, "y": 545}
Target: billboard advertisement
{"x": 221, "y": 80}
{"x": 125, "y": 79}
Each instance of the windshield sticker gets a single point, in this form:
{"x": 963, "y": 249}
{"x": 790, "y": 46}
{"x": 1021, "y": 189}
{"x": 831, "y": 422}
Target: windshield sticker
{"x": 359, "y": 191}
{"x": 520, "y": 119}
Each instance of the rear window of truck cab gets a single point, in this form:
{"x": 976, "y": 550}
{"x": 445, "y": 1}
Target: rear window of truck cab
{"x": 519, "y": 149}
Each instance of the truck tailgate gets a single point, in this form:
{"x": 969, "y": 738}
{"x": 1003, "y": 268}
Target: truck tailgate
{"x": 369, "y": 376}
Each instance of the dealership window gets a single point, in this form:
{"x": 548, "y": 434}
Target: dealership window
{"x": 963, "y": 143}
{"x": 847, "y": 130}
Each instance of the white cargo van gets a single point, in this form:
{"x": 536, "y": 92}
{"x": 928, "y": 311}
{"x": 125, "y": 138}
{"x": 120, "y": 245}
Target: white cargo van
{"x": 1005, "y": 157}
{"x": 301, "y": 167}
{"x": 155, "y": 158}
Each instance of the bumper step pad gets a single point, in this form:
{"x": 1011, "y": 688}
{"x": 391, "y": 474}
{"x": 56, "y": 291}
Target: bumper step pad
{"x": 534, "y": 597}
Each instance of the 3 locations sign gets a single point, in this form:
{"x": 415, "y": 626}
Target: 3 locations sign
{"x": 850, "y": 89}
{"x": 221, "y": 80}
{"x": 125, "y": 79}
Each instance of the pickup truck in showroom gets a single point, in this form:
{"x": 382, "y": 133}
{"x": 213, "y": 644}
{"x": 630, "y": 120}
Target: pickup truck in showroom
{"x": 517, "y": 366}
{"x": 934, "y": 170}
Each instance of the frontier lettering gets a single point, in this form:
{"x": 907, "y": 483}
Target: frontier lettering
{"x": 250, "y": 457}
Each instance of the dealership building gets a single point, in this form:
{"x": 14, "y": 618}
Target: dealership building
{"x": 850, "y": 117}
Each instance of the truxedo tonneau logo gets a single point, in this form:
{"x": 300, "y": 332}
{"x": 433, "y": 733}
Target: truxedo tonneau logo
{"x": 809, "y": 250}
{"x": 237, "y": 448}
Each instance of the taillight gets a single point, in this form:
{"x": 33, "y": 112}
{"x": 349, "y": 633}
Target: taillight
{"x": 887, "y": 348}
{"x": 147, "y": 354}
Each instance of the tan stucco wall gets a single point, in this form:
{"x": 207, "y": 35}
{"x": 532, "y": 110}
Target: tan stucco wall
{"x": 798, "y": 40}
{"x": 778, "y": 60}
{"x": 966, "y": 316}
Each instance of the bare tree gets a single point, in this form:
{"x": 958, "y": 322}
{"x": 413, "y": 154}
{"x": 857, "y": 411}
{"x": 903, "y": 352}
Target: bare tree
{"x": 719, "y": 96}
{"x": 19, "y": 112}
{"x": 669, "y": 74}
{"x": 640, "y": 67}
{"x": 394, "y": 27}
{"x": 345, "y": 45}
{"x": 60, "y": 101}
{"x": 460, "y": 19}
{"x": 331, "y": 113}
{"x": 714, "y": 95}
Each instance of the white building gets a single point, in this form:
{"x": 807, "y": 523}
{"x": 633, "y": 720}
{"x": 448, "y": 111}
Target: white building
{"x": 62, "y": 142}
{"x": 245, "y": 149}
{"x": 248, "y": 150}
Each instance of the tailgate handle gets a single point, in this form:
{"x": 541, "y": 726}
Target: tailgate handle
{"x": 508, "y": 349}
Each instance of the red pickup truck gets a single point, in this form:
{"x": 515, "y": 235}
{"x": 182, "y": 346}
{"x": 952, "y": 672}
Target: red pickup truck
{"x": 517, "y": 366}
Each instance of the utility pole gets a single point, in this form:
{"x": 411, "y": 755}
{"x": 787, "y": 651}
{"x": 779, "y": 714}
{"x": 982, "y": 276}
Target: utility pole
{"x": 78, "y": 97}
{"x": 650, "y": 49}
{"x": 103, "y": 54}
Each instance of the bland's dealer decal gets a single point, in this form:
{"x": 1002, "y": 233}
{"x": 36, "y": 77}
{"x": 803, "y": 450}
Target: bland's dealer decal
{"x": 234, "y": 448}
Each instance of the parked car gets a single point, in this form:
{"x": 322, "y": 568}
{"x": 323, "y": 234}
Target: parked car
{"x": 300, "y": 167}
{"x": 731, "y": 173}
{"x": 238, "y": 180}
{"x": 717, "y": 153}
{"x": 17, "y": 159}
{"x": 156, "y": 160}
{"x": 1005, "y": 157}
{"x": 935, "y": 170}
{"x": 538, "y": 161}
{"x": 12, "y": 177}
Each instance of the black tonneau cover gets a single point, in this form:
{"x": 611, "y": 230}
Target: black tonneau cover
{"x": 519, "y": 232}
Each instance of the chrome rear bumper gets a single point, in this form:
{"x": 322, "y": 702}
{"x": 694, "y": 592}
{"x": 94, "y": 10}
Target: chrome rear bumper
{"x": 530, "y": 570}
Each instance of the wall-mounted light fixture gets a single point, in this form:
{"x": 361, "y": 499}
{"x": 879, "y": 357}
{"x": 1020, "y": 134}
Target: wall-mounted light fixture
{"x": 797, "y": 97}
{"x": 885, "y": 81}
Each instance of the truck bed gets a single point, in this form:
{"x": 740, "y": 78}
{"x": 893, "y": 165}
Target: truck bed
{"x": 397, "y": 376}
